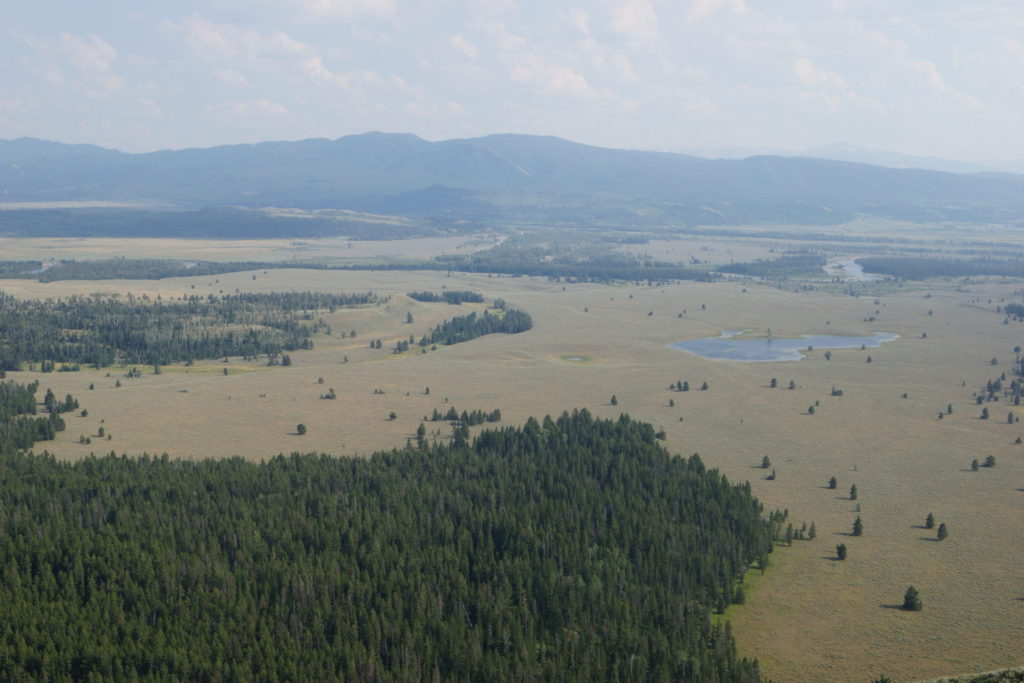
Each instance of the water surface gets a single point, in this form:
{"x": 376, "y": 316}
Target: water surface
{"x": 724, "y": 347}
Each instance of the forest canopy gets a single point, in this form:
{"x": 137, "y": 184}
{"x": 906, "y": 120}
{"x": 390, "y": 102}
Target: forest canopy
{"x": 567, "y": 549}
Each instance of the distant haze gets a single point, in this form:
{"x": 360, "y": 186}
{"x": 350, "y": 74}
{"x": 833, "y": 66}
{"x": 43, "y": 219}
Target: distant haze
{"x": 938, "y": 79}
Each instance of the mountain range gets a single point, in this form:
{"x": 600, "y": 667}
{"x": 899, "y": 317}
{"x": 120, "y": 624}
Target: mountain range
{"x": 514, "y": 178}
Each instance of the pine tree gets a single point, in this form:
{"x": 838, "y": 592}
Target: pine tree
{"x": 912, "y": 600}
{"x": 858, "y": 527}
{"x": 853, "y": 492}
{"x": 832, "y": 483}
{"x": 841, "y": 551}
{"x": 929, "y": 522}
{"x": 812, "y": 533}
{"x": 942, "y": 532}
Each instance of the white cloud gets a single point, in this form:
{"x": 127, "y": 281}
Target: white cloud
{"x": 810, "y": 74}
{"x": 231, "y": 77}
{"x": 635, "y": 19}
{"x": 228, "y": 41}
{"x": 259, "y": 107}
{"x": 84, "y": 63}
{"x": 933, "y": 79}
{"x": 705, "y": 8}
{"x": 623, "y": 67}
{"x": 346, "y": 9}
{"x": 580, "y": 20}
{"x": 557, "y": 79}
{"x": 316, "y": 71}
{"x": 461, "y": 44}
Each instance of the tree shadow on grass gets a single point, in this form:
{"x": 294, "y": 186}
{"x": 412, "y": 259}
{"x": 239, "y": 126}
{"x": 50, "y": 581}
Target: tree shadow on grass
{"x": 899, "y": 607}
{"x": 842, "y": 533}
{"x": 928, "y": 538}
{"x": 831, "y": 558}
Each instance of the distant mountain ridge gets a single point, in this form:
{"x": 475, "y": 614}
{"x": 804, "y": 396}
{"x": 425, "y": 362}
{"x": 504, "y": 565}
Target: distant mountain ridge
{"x": 516, "y": 177}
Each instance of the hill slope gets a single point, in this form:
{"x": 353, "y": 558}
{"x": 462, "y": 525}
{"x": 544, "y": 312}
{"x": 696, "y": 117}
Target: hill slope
{"x": 498, "y": 177}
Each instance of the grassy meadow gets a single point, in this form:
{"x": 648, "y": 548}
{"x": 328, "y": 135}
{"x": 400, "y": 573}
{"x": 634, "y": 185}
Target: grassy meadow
{"x": 809, "y": 618}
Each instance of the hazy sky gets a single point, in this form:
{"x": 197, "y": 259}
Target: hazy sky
{"x": 935, "y": 77}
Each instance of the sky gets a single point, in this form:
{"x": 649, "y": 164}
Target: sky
{"x": 925, "y": 77}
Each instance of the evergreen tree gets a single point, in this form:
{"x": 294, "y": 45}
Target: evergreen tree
{"x": 942, "y": 532}
{"x": 853, "y": 492}
{"x": 766, "y": 462}
{"x": 841, "y": 551}
{"x": 832, "y": 483}
{"x": 300, "y": 429}
{"x": 912, "y": 600}
{"x": 929, "y": 522}
{"x": 858, "y": 527}
{"x": 614, "y": 400}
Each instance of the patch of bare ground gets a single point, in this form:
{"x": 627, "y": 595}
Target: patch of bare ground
{"x": 809, "y": 618}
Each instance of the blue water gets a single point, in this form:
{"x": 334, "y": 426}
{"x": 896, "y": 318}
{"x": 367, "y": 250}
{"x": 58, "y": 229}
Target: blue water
{"x": 766, "y": 350}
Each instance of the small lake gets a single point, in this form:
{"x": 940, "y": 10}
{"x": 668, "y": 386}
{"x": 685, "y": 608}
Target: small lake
{"x": 762, "y": 350}
{"x": 854, "y": 271}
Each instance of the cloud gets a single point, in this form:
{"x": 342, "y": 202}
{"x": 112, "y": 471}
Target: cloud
{"x": 346, "y": 9}
{"x": 705, "y": 8}
{"x": 635, "y": 19}
{"x": 316, "y": 71}
{"x": 231, "y": 77}
{"x": 84, "y": 63}
{"x": 580, "y": 20}
{"x": 459, "y": 42}
{"x": 933, "y": 79}
{"x": 557, "y": 79}
{"x": 243, "y": 109}
{"x": 228, "y": 41}
{"x": 812, "y": 75}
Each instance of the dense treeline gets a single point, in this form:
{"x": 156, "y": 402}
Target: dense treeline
{"x": 910, "y": 268}
{"x": 214, "y": 223}
{"x": 794, "y": 265}
{"x": 568, "y": 549}
{"x": 469, "y": 418}
{"x": 139, "y": 269}
{"x": 466, "y": 327}
{"x": 596, "y": 270}
{"x": 448, "y": 296}
{"x": 100, "y": 331}
{"x": 18, "y": 428}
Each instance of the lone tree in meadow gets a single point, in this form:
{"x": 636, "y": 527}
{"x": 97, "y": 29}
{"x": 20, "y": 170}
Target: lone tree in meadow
{"x": 858, "y": 527}
{"x": 912, "y": 600}
{"x": 975, "y": 465}
{"x": 614, "y": 400}
{"x": 853, "y": 492}
{"x": 832, "y": 483}
{"x": 990, "y": 461}
{"x": 929, "y": 522}
{"x": 984, "y": 413}
{"x": 942, "y": 532}
{"x": 766, "y": 462}
{"x": 300, "y": 429}
{"x": 812, "y": 533}
{"x": 841, "y": 551}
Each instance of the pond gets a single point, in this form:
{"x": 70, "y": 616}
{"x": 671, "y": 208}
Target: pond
{"x": 724, "y": 347}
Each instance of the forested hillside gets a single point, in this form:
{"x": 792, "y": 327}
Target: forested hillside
{"x": 568, "y": 549}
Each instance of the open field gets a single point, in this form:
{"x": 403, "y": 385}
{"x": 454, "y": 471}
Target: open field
{"x": 329, "y": 250}
{"x": 809, "y": 618}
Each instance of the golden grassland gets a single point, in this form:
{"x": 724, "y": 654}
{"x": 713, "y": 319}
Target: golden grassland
{"x": 809, "y": 618}
{"x": 328, "y": 249}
